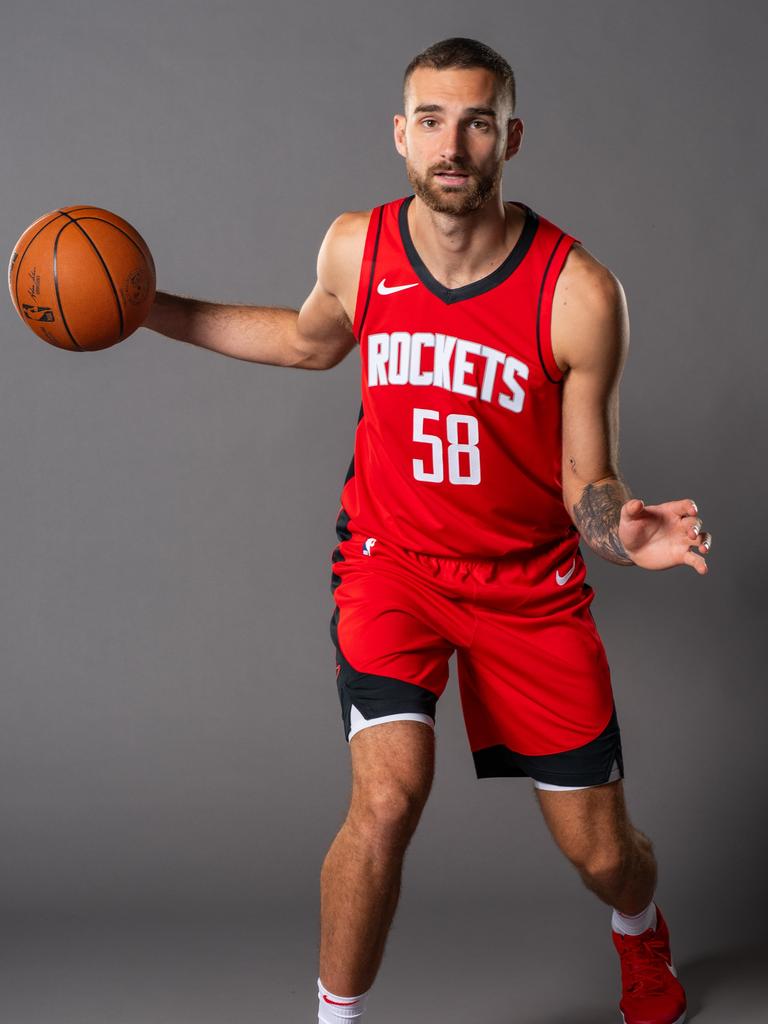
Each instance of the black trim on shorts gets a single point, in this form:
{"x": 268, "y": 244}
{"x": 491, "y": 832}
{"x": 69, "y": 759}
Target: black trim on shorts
{"x": 376, "y": 696}
{"x": 588, "y": 765}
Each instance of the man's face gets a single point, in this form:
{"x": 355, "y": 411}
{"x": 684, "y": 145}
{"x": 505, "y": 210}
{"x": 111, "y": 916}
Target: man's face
{"x": 455, "y": 135}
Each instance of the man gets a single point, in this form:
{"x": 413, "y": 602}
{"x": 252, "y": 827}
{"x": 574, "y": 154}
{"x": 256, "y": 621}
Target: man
{"x": 492, "y": 345}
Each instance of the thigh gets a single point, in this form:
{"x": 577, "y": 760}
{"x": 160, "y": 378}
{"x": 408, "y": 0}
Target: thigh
{"x": 585, "y": 820}
{"x": 393, "y": 763}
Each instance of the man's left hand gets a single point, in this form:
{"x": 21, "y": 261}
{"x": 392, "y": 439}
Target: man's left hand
{"x": 661, "y": 536}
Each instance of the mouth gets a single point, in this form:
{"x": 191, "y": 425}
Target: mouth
{"x": 451, "y": 177}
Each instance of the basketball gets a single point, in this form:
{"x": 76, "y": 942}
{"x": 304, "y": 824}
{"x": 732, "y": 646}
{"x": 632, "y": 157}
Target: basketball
{"x": 82, "y": 278}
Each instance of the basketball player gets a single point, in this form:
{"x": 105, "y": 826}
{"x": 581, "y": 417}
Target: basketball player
{"x": 491, "y": 344}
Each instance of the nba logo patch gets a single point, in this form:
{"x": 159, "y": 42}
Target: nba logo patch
{"x": 368, "y": 545}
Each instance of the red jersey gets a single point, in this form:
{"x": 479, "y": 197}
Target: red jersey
{"x": 459, "y": 443}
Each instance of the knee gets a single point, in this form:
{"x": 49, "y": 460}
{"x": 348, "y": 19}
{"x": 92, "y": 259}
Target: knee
{"x": 606, "y": 865}
{"x": 387, "y": 814}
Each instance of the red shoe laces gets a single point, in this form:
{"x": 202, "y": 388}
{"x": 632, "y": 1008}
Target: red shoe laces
{"x": 644, "y": 965}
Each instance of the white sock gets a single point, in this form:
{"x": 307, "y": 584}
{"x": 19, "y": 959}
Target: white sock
{"x": 338, "y": 1009}
{"x": 634, "y": 924}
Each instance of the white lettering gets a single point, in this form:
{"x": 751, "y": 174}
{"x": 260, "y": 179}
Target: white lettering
{"x": 511, "y": 368}
{"x": 443, "y": 350}
{"x": 416, "y": 374}
{"x": 494, "y": 361}
{"x": 399, "y": 357}
{"x": 378, "y": 353}
{"x": 461, "y": 367}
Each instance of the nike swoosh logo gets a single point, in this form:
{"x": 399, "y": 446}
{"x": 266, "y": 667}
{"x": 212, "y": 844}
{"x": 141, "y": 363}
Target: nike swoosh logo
{"x": 383, "y": 289}
{"x": 560, "y": 580}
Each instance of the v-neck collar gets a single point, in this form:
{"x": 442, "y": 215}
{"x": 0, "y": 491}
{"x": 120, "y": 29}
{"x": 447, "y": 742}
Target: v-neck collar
{"x": 467, "y": 291}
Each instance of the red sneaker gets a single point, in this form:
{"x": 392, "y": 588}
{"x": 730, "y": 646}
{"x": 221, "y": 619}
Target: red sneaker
{"x": 651, "y": 993}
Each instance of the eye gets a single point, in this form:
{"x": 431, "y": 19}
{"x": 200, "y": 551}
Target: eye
{"x": 427, "y": 121}
{"x": 482, "y": 125}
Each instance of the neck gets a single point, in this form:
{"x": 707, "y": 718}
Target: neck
{"x": 461, "y": 249}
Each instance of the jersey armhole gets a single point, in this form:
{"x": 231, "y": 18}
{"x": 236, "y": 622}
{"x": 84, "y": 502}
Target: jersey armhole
{"x": 365, "y": 282}
{"x": 544, "y": 311}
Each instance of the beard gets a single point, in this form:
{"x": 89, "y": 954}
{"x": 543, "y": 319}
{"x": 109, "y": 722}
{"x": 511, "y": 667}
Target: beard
{"x": 454, "y": 199}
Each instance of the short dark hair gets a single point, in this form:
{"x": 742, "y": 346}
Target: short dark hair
{"x": 459, "y": 52}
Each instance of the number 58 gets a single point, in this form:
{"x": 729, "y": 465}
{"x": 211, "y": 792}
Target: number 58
{"x": 456, "y": 448}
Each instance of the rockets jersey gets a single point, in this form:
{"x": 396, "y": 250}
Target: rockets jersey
{"x": 458, "y": 446}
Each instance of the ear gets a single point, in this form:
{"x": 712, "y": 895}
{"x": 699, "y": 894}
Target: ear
{"x": 399, "y": 129}
{"x": 514, "y": 137}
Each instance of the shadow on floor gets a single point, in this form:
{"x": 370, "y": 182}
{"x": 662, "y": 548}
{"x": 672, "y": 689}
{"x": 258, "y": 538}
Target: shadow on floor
{"x": 709, "y": 975}
{"x": 705, "y": 978}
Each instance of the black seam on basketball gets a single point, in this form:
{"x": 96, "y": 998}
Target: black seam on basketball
{"x": 373, "y": 267}
{"x": 125, "y": 233}
{"x": 23, "y": 257}
{"x": 56, "y": 287}
{"x": 104, "y": 265}
{"x": 538, "y": 310}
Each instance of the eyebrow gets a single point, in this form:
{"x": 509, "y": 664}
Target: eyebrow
{"x": 435, "y": 108}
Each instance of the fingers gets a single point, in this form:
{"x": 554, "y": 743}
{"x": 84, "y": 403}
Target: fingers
{"x": 695, "y": 533}
{"x": 696, "y": 562}
{"x": 634, "y": 506}
{"x": 692, "y": 526}
{"x": 705, "y": 542}
{"x": 684, "y": 507}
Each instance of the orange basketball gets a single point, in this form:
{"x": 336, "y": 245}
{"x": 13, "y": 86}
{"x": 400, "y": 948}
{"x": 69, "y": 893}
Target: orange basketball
{"x": 82, "y": 278}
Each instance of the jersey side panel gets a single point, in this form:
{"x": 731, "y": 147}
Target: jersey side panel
{"x": 555, "y": 263}
{"x": 367, "y": 270}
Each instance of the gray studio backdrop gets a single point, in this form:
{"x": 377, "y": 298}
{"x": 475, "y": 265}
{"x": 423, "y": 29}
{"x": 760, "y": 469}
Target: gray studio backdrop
{"x": 170, "y": 738}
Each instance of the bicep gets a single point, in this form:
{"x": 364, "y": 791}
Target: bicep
{"x": 323, "y": 328}
{"x": 324, "y": 325}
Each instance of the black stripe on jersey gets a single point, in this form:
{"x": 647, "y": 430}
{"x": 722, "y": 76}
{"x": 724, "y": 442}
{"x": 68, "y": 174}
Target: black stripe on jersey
{"x": 373, "y": 266}
{"x": 468, "y": 291}
{"x": 342, "y": 520}
{"x": 538, "y": 309}
{"x": 351, "y": 470}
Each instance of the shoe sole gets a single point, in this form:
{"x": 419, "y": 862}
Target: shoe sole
{"x": 680, "y": 1020}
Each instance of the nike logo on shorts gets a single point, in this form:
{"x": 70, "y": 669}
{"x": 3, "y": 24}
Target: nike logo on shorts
{"x": 384, "y": 289}
{"x": 561, "y": 580}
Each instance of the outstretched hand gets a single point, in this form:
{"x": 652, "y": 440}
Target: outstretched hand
{"x": 661, "y": 536}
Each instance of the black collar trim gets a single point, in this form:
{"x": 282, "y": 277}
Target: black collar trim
{"x": 467, "y": 291}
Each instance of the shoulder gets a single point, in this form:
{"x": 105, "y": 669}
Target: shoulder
{"x": 586, "y": 282}
{"x": 341, "y": 252}
{"x": 589, "y": 312}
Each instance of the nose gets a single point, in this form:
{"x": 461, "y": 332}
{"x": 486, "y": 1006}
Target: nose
{"x": 452, "y": 142}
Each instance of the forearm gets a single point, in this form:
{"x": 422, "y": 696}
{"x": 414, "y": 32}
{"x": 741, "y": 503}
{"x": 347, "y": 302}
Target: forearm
{"x": 259, "y": 334}
{"x": 597, "y": 512}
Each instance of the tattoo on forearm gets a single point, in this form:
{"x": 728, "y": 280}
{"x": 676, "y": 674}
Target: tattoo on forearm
{"x": 597, "y": 514}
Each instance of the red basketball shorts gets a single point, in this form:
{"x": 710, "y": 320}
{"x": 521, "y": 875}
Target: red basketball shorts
{"x": 534, "y": 681}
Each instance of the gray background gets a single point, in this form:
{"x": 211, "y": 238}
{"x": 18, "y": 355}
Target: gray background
{"x": 172, "y": 759}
